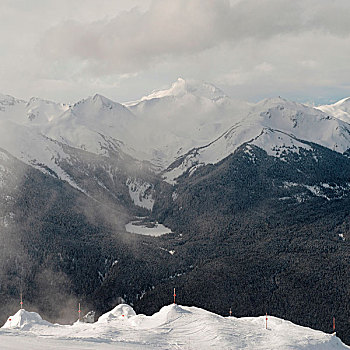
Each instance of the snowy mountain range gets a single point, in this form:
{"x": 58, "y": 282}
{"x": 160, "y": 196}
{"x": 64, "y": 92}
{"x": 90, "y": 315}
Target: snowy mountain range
{"x": 184, "y": 187}
{"x": 197, "y": 123}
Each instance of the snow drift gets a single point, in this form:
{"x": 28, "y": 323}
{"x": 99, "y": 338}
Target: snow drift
{"x": 173, "y": 327}
{"x": 25, "y": 320}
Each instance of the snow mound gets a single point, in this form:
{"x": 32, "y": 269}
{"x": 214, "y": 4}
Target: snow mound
{"x": 25, "y": 320}
{"x": 122, "y": 311}
{"x": 169, "y": 313}
{"x": 173, "y": 327}
{"x": 165, "y": 316}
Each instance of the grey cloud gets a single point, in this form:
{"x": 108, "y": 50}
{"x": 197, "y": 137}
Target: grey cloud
{"x": 135, "y": 39}
{"x": 66, "y": 50}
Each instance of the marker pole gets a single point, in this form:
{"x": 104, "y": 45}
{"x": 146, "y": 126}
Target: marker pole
{"x": 230, "y": 312}
{"x": 174, "y": 297}
{"x": 79, "y": 312}
{"x": 333, "y": 324}
{"x": 266, "y": 320}
{"x": 21, "y": 302}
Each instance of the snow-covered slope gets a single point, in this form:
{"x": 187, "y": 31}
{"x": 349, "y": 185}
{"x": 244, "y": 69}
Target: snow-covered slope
{"x": 276, "y": 125}
{"x": 95, "y": 124}
{"x": 173, "y": 327}
{"x": 189, "y": 123}
{"x": 340, "y": 109}
{"x": 187, "y": 115}
{"x": 159, "y": 128}
{"x": 40, "y": 112}
{"x": 33, "y": 148}
{"x": 21, "y": 134}
{"x": 35, "y": 112}
{"x": 182, "y": 87}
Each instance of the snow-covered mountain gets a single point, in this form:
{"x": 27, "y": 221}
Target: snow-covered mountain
{"x": 254, "y": 175}
{"x": 95, "y": 124}
{"x": 173, "y": 327}
{"x": 185, "y": 116}
{"x": 190, "y": 123}
{"x": 340, "y": 109}
{"x": 36, "y": 111}
{"x": 176, "y": 130}
{"x": 35, "y": 149}
{"x": 275, "y": 125}
{"x": 159, "y": 127}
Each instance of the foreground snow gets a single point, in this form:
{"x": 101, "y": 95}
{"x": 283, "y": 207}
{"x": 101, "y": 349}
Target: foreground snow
{"x": 173, "y": 327}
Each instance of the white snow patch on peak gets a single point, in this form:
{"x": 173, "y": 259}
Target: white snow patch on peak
{"x": 340, "y": 109}
{"x": 25, "y": 320}
{"x": 182, "y": 87}
{"x": 89, "y": 106}
{"x": 178, "y": 88}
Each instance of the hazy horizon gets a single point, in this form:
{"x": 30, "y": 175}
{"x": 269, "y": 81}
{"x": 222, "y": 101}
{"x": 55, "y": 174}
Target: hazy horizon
{"x": 253, "y": 49}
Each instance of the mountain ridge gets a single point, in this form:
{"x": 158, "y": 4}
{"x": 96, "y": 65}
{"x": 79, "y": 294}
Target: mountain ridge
{"x": 256, "y": 208}
{"x": 154, "y": 133}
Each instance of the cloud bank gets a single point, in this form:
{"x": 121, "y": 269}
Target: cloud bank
{"x": 133, "y": 40}
{"x": 250, "y": 48}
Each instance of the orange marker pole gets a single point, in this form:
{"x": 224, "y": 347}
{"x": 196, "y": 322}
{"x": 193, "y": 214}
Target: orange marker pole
{"x": 333, "y": 324}
{"x": 79, "y": 311}
{"x": 174, "y": 296}
{"x": 21, "y": 302}
{"x": 230, "y": 312}
{"x": 266, "y": 320}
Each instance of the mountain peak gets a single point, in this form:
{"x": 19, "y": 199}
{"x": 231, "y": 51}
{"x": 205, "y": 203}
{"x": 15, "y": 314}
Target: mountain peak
{"x": 177, "y": 88}
{"x": 340, "y": 109}
{"x": 97, "y": 98}
{"x": 345, "y": 102}
{"x": 182, "y": 87}
{"x": 8, "y": 99}
{"x": 271, "y": 101}
{"x": 36, "y": 101}
{"x": 206, "y": 90}
{"x": 96, "y": 101}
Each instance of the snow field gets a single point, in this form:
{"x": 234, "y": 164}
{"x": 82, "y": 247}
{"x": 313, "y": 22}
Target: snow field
{"x": 173, "y": 327}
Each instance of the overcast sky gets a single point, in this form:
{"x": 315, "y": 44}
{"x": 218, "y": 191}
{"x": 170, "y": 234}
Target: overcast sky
{"x": 65, "y": 50}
